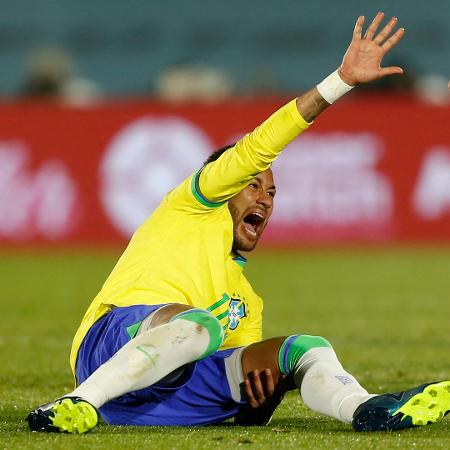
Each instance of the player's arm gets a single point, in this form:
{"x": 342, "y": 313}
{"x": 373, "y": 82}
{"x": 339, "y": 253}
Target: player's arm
{"x": 221, "y": 179}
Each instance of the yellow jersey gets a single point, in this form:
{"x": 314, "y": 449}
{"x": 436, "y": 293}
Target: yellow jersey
{"x": 183, "y": 252}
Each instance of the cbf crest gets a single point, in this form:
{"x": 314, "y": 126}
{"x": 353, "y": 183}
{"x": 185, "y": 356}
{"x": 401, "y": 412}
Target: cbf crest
{"x": 236, "y": 312}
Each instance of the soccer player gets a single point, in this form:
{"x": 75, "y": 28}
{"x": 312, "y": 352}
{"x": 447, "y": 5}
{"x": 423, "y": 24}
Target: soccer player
{"x": 174, "y": 336}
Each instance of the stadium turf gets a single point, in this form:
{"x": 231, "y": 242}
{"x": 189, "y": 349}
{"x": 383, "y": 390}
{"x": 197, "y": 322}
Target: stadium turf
{"x": 386, "y": 311}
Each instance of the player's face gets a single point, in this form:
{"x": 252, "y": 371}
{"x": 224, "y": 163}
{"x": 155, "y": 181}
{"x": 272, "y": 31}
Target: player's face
{"x": 251, "y": 210}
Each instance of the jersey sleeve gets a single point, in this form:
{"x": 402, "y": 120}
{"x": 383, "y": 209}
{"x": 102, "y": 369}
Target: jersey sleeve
{"x": 220, "y": 180}
{"x": 254, "y": 153}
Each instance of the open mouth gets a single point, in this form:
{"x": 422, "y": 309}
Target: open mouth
{"x": 252, "y": 223}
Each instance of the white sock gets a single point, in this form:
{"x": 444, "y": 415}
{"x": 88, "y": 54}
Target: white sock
{"x": 326, "y": 387}
{"x": 144, "y": 360}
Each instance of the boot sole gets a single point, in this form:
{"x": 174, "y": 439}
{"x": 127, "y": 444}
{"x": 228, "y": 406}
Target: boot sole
{"x": 70, "y": 417}
{"x": 429, "y": 406}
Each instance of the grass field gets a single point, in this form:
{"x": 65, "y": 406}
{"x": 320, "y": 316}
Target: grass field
{"x": 386, "y": 311}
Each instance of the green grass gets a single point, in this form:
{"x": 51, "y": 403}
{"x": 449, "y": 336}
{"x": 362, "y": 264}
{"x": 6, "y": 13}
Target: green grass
{"x": 386, "y": 311}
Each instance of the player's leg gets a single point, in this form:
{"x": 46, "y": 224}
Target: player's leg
{"x": 327, "y": 388}
{"x": 313, "y": 367}
{"x": 183, "y": 335}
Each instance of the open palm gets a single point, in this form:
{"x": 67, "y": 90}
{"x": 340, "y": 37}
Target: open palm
{"x": 362, "y": 60}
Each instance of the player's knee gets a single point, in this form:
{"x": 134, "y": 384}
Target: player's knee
{"x": 294, "y": 347}
{"x": 206, "y": 320}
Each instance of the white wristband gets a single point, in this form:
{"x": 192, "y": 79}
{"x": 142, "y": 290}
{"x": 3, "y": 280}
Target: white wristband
{"x": 332, "y": 87}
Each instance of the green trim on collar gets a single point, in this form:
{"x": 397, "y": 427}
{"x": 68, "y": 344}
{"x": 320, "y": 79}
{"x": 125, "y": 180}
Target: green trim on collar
{"x": 239, "y": 259}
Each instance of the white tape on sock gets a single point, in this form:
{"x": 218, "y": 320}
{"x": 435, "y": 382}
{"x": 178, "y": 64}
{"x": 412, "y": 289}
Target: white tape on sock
{"x": 332, "y": 87}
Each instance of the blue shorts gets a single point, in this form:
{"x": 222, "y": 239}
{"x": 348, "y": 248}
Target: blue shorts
{"x": 201, "y": 396}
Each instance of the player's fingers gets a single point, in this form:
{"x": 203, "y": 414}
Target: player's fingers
{"x": 281, "y": 387}
{"x": 257, "y": 387}
{"x": 269, "y": 385}
{"x": 358, "y": 27}
{"x": 249, "y": 393}
{"x": 374, "y": 26}
{"x": 393, "y": 40}
{"x": 392, "y": 70}
{"x": 279, "y": 391}
{"x": 386, "y": 31}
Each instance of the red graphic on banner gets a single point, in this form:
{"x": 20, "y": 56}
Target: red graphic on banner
{"x": 329, "y": 186}
{"x": 34, "y": 203}
{"x": 371, "y": 169}
{"x": 143, "y": 162}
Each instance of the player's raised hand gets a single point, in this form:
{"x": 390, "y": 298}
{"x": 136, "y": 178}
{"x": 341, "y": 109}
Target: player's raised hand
{"x": 363, "y": 58}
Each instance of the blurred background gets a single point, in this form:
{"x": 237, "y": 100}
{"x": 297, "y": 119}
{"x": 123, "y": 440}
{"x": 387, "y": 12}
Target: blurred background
{"x": 105, "y": 106}
{"x": 136, "y": 48}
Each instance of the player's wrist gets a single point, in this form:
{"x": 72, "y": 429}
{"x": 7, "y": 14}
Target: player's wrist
{"x": 333, "y": 87}
{"x": 345, "y": 78}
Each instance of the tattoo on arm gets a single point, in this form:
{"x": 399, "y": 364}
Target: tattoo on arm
{"x": 311, "y": 104}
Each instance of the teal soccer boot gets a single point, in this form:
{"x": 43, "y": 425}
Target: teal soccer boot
{"x": 65, "y": 415}
{"x": 419, "y": 406}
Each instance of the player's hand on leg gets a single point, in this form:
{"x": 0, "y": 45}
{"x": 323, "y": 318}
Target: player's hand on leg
{"x": 260, "y": 388}
{"x": 363, "y": 58}
{"x": 262, "y": 395}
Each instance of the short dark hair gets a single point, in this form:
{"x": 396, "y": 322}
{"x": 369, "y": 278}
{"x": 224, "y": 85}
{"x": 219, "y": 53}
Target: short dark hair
{"x": 218, "y": 153}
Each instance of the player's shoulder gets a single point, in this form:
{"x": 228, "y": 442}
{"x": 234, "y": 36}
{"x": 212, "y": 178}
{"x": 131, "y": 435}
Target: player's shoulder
{"x": 187, "y": 197}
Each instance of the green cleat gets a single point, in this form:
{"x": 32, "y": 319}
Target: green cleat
{"x": 65, "y": 415}
{"x": 422, "y": 405}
